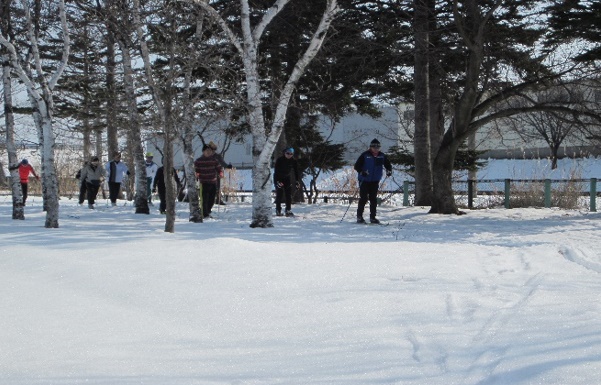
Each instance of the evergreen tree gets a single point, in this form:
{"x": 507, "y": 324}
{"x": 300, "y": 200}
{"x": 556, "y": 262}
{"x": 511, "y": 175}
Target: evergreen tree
{"x": 576, "y": 19}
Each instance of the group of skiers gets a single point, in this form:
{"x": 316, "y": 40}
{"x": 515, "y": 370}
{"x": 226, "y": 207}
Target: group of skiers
{"x": 92, "y": 174}
{"x": 209, "y": 168}
{"x": 370, "y": 167}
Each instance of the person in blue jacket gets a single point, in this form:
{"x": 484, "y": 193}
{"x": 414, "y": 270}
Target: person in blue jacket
{"x": 369, "y": 166}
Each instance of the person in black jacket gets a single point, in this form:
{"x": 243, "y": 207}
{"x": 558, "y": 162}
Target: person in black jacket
{"x": 159, "y": 184}
{"x": 285, "y": 165}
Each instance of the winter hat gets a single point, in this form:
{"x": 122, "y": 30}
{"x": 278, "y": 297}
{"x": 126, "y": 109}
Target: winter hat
{"x": 95, "y": 159}
{"x": 374, "y": 143}
{"x": 212, "y": 145}
{"x": 289, "y": 149}
{"x": 149, "y": 155}
{"x": 205, "y": 147}
{"x": 24, "y": 161}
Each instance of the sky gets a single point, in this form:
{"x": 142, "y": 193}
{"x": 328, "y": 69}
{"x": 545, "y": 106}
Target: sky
{"x": 495, "y": 296}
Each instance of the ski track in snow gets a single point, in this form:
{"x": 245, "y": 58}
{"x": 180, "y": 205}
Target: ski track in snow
{"x": 580, "y": 257}
{"x": 462, "y": 326}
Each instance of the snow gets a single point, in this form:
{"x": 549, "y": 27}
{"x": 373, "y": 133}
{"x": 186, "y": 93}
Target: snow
{"x": 492, "y": 297}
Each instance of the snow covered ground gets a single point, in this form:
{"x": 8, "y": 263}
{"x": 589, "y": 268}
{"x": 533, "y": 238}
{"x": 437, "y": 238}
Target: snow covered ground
{"x": 492, "y": 297}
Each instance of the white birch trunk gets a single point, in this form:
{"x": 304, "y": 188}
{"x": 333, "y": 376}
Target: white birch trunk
{"x": 40, "y": 93}
{"x": 134, "y": 132}
{"x": 13, "y": 160}
{"x": 162, "y": 102}
{"x": 264, "y": 139}
{"x": 187, "y": 139}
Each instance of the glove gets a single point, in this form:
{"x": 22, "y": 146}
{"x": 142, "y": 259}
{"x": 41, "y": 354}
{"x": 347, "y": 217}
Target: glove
{"x": 298, "y": 185}
{"x": 221, "y": 174}
{"x": 388, "y": 172}
{"x": 279, "y": 184}
{"x": 364, "y": 173}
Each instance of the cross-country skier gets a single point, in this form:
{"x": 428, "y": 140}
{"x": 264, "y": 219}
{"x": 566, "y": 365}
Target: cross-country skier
{"x": 369, "y": 166}
{"x": 285, "y": 166}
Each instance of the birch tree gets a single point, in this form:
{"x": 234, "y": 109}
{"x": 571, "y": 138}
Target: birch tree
{"x": 163, "y": 97}
{"x": 5, "y": 30}
{"x": 265, "y": 136}
{"x": 40, "y": 85}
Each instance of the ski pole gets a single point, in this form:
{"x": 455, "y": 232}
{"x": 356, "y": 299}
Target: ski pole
{"x": 350, "y": 202}
{"x": 200, "y": 201}
{"x": 219, "y": 196}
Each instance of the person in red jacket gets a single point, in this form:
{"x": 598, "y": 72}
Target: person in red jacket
{"x": 24, "y": 170}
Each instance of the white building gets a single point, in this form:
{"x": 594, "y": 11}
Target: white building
{"x": 393, "y": 127}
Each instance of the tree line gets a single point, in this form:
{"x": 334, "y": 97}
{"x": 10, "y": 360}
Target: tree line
{"x": 112, "y": 71}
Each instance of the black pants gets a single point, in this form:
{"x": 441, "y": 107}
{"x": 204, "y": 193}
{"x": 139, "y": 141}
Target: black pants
{"x": 368, "y": 191}
{"x": 114, "y": 191}
{"x": 24, "y": 191}
{"x": 284, "y": 192}
{"x": 149, "y": 189}
{"x": 163, "y": 197}
{"x": 208, "y": 197}
{"x": 82, "y": 192}
{"x": 92, "y": 191}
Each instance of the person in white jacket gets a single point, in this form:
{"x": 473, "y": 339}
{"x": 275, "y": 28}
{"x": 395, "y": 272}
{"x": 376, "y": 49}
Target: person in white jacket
{"x": 115, "y": 171}
{"x": 151, "y": 173}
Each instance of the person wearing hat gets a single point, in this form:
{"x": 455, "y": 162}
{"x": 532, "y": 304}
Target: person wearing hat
{"x": 24, "y": 170}
{"x": 208, "y": 170}
{"x": 285, "y": 166}
{"x": 369, "y": 166}
{"x": 115, "y": 171}
{"x": 92, "y": 174}
{"x": 151, "y": 173}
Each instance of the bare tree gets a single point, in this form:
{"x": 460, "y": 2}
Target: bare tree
{"x": 163, "y": 93}
{"x": 40, "y": 86}
{"x": 266, "y": 137}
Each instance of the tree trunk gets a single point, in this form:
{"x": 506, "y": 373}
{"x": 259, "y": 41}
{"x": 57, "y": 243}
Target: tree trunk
{"x": 168, "y": 170}
{"x": 112, "y": 143}
{"x": 443, "y": 201}
{"x": 13, "y": 160}
{"x": 186, "y": 137}
{"x": 422, "y": 146}
{"x": 134, "y": 133}
{"x": 49, "y": 176}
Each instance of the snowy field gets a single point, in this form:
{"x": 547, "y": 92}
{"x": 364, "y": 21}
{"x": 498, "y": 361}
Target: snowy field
{"x": 492, "y": 297}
